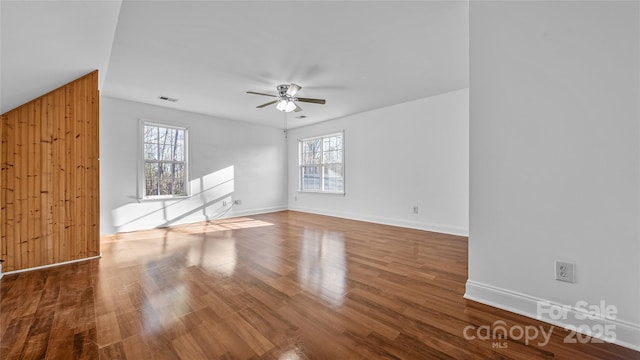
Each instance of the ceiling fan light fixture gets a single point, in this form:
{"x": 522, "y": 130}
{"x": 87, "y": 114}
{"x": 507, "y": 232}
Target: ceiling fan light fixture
{"x": 285, "y": 105}
{"x": 286, "y": 101}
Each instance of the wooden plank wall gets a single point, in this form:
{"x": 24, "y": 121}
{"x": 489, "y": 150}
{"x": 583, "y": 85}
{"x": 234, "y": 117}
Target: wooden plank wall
{"x": 49, "y": 190}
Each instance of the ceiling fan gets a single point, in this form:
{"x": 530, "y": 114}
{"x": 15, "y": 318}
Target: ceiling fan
{"x": 286, "y": 98}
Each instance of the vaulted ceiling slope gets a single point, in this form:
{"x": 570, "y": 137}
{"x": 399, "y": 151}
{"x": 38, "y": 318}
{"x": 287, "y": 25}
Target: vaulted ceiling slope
{"x": 358, "y": 55}
{"x": 46, "y": 44}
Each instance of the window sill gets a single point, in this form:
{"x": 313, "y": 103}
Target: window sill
{"x": 164, "y": 197}
{"x": 322, "y": 192}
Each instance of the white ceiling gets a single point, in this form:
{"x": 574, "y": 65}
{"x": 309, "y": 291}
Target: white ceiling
{"x": 46, "y": 44}
{"x": 358, "y": 55}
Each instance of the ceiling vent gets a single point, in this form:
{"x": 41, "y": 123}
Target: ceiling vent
{"x": 166, "y": 98}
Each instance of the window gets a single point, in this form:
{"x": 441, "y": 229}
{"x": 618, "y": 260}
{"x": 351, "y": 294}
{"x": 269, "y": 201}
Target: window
{"x": 165, "y": 160}
{"x": 322, "y": 164}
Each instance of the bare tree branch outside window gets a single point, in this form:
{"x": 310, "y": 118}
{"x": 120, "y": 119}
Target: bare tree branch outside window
{"x": 164, "y": 161}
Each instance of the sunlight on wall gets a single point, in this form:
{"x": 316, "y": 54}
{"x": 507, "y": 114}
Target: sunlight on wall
{"x": 205, "y": 203}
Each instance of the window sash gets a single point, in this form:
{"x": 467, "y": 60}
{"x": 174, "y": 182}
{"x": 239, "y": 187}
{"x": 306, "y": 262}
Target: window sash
{"x": 164, "y": 174}
{"x": 321, "y": 164}
{"x": 174, "y": 179}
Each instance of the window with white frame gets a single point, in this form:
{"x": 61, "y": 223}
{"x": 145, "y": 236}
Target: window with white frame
{"x": 165, "y": 161}
{"x": 322, "y": 164}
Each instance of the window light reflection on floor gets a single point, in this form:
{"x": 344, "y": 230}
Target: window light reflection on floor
{"x": 323, "y": 267}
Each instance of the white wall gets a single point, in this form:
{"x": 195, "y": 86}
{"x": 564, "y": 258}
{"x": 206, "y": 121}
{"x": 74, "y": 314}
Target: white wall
{"x": 555, "y": 156}
{"x": 228, "y": 160}
{"x": 416, "y": 153}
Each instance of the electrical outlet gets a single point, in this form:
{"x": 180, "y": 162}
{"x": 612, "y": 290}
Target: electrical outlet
{"x": 224, "y": 203}
{"x": 415, "y": 209}
{"x": 565, "y": 271}
{"x": 237, "y": 202}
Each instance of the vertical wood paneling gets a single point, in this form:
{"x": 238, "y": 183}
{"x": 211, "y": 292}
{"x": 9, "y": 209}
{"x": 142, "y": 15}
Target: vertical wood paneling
{"x": 22, "y": 210}
{"x": 3, "y": 180}
{"x": 70, "y": 194}
{"x": 33, "y": 188}
{"x": 8, "y": 222}
{"x": 94, "y": 172}
{"x": 49, "y": 190}
{"x": 59, "y": 178}
{"x": 46, "y": 150}
{"x": 3, "y": 207}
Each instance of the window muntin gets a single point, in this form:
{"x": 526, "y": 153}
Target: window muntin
{"x": 165, "y": 161}
{"x": 322, "y": 164}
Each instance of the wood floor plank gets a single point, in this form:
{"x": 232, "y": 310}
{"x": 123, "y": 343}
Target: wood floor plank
{"x": 187, "y": 348}
{"x": 256, "y": 341}
{"x": 108, "y": 329}
{"x": 135, "y": 347}
{"x": 113, "y": 351}
{"x": 284, "y": 285}
{"x": 208, "y": 339}
{"x": 15, "y": 337}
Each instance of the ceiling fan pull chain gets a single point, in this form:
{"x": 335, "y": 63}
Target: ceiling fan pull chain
{"x": 284, "y": 114}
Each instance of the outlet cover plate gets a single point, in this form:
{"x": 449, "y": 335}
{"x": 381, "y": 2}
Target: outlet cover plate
{"x": 565, "y": 271}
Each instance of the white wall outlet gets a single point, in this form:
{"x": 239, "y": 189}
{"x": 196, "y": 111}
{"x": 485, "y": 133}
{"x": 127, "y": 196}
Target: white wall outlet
{"x": 565, "y": 271}
{"x": 237, "y": 202}
{"x": 415, "y": 209}
{"x": 224, "y": 203}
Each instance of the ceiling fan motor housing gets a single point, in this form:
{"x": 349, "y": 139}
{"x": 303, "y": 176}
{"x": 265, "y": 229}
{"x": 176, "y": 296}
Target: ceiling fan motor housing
{"x": 282, "y": 90}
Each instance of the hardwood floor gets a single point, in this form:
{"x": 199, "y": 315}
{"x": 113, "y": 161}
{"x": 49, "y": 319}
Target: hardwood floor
{"x": 284, "y": 285}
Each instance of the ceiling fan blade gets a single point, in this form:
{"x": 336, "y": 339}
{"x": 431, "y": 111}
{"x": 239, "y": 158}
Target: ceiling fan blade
{"x": 293, "y": 89}
{"x": 297, "y": 109}
{"x": 310, "y": 100}
{"x": 257, "y": 93}
{"x": 267, "y": 104}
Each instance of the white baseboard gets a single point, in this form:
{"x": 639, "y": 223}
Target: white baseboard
{"x": 627, "y": 334}
{"x": 51, "y": 265}
{"x": 439, "y": 228}
{"x": 235, "y": 212}
{"x": 249, "y": 212}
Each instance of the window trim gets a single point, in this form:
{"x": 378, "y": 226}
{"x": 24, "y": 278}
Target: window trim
{"x": 141, "y": 161}
{"x": 322, "y": 164}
